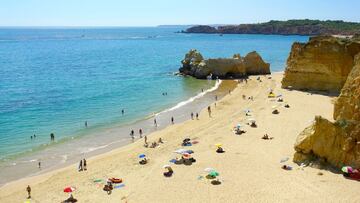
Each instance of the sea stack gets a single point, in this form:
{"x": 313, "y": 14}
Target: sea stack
{"x": 195, "y": 65}
{"x": 322, "y": 64}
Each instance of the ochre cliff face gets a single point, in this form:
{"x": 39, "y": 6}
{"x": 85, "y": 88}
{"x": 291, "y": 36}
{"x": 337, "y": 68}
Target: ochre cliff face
{"x": 321, "y": 64}
{"x": 347, "y": 106}
{"x": 195, "y": 65}
{"x": 338, "y": 143}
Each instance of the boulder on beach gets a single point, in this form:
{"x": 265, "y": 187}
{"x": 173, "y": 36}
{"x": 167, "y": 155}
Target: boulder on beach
{"x": 195, "y": 65}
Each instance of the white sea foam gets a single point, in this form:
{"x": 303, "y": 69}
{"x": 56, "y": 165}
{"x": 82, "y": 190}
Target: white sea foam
{"x": 191, "y": 99}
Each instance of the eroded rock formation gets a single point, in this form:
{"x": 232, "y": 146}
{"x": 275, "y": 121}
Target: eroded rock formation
{"x": 338, "y": 143}
{"x": 321, "y": 64}
{"x": 195, "y": 65}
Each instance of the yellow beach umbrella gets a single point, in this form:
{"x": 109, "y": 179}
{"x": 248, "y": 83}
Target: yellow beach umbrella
{"x": 218, "y": 144}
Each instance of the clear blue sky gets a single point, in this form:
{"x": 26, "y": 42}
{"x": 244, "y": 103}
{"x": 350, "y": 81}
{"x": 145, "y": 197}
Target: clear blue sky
{"x": 156, "y": 12}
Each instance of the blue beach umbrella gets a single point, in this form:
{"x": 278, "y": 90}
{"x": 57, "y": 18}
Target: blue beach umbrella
{"x": 142, "y": 156}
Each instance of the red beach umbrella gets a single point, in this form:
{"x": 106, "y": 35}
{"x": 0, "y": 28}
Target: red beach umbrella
{"x": 69, "y": 189}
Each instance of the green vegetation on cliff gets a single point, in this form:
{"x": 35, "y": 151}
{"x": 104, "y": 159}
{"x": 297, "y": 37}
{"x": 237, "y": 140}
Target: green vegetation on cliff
{"x": 290, "y": 27}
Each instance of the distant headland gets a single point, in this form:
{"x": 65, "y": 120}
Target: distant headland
{"x": 289, "y": 27}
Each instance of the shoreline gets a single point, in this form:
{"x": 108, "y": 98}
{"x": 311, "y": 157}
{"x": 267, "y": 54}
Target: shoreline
{"x": 250, "y": 169}
{"x": 200, "y": 100}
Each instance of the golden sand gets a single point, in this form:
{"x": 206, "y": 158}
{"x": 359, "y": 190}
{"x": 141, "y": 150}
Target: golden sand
{"x": 250, "y": 169}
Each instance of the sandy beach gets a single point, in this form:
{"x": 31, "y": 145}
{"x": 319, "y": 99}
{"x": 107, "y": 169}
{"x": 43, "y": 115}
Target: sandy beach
{"x": 250, "y": 169}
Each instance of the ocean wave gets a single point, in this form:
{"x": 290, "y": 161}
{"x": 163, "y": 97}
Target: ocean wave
{"x": 191, "y": 99}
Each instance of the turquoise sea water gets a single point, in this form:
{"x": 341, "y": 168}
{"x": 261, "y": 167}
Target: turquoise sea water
{"x": 53, "y": 80}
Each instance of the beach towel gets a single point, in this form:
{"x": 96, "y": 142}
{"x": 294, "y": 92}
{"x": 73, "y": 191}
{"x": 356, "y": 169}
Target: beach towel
{"x": 119, "y": 186}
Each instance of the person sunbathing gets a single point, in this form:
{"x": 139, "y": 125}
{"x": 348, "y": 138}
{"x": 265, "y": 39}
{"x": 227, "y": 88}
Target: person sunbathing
{"x": 280, "y": 99}
{"x": 160, "y": 140}
{"x": 253, "y": 124}
{"x": 286, "y": 167}
{"x": 108, "y": 187}
{"x": 239, "y": 131}
{"x": 275, "y": 111}
{"x": 143, "y": 161}
{"x": 287, "y": 106}
{"x": 169, "y": 172}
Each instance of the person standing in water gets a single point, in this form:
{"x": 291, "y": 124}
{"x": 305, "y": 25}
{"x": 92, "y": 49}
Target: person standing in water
{"x": 34, "y": 136}
{"x": 155, "y": 122}
{"x": 216, "y": 97}
{"x": 52, "y": 136}
{"x": 28, "y": 189}
{"x": 172, "y": 120}
{"x": 209, "y": 111}
{"x": 86, "y": 124}
{"x": 122, "y": 112}
{"x": 140, "y": 132}
{"x": 192, "y": 116}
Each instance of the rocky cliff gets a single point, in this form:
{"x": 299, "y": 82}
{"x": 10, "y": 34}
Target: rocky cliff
{"x": 290, "y": 27}
{"x": 195, "y": 65}
{"x": 323, "y": 63}
{"x": 338, "y": 143}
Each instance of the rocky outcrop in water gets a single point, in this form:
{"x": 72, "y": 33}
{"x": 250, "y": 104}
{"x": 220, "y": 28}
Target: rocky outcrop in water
{"x": 337, "y": 143}
{"x": 195, "y": 65}
{"x": 322, "y": 64}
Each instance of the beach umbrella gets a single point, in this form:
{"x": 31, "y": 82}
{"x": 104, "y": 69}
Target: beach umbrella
{"x": 214, "y": 173}
{"x": 238, "y": 125}
{"x": 209, "y": 169}
{"x": 347, "y": 169}
{"x": 69, "y": 189}
{"x": 218, "y": 144}
{"x": 142, "y": 156}
{"x": 180, "y": 151}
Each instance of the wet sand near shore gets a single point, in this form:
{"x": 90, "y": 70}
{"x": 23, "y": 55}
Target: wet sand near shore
{"x": 249, "y": 170}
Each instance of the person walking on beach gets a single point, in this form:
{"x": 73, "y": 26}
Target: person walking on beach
{"x": 197, "y": 116}
{"x": 140, "y": 132}
{"x": 39, "y": 164}
{"x": 84, "y": 163}
{"x": 172, "y": 120}
{"x": 155, "y": 122}
{"x": 28, "y": 189}
{"x": 132, "y": 135}
{"x": 145, "y": 138}
{"x": 192, "y": 116}
{"x": 216, "y": 97}
{"x": 80, "y": 166}
{"x": 209, "y": 111}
